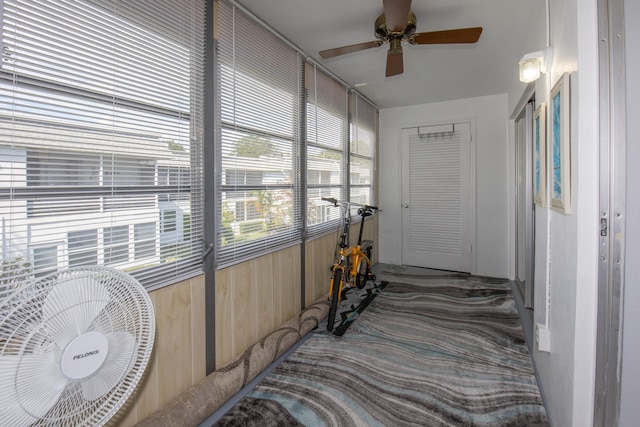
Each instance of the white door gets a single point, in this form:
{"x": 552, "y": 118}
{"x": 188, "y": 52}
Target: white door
{"x": 437, "y": 197}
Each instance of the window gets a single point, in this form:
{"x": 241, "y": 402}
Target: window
{"x": 57, "y": 168}
{"x": 327, "y": 133}
{"x": 102, "y": 103}
{"x": 116, "y": 245}
{"x": 145, "y": 240}
{"x": 269, "y": 173}
{"x": 128, "y": 170}
{"x": 259, "y": 85}
{"x": 83, "y": 248}
{"x": 174, "y": 176}
{"x": 362, "y": 150}
{"x": 169, "y": 221}
{"x": 45, "y": 260}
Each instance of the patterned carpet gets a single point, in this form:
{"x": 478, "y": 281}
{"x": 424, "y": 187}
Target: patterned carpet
{"x": 429, "y": 350}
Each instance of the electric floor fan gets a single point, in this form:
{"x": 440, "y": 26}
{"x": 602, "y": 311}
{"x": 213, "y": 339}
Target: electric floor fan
{"x": 73, "y": 346}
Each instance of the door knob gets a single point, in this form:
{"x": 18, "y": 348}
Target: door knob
{"x": 405, "y": 205}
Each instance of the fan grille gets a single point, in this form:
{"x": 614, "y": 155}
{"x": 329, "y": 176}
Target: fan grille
{"x": 39, "y": 320}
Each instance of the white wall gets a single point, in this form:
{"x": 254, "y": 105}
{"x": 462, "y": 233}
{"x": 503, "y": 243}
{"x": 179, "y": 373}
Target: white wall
{"x": 567, "y": 245}
{"x": 489, "y": 116}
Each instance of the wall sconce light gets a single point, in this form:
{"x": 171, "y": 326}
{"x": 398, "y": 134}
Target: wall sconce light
{"x": 532, "y": 64}
{"x": 530, "y": 67}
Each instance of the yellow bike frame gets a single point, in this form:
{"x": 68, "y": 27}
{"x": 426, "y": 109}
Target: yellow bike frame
{"x": 356, "y": 256}
{"x": 352, "y": 264}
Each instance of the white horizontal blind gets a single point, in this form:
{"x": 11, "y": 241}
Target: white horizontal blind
{"x": 362, "y": 150}
{"x": 327, "y": 132}
{"x": 101, "y": 113}
{"x": 259, "y": 83}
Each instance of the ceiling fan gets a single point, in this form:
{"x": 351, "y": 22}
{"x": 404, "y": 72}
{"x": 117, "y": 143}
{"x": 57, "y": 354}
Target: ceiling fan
{"x": 398, "y": 24}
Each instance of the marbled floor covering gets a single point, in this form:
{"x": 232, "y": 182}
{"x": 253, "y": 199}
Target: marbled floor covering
{"x": 430, "y": 350}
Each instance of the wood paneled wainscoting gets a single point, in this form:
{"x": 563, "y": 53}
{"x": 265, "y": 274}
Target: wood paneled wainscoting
{"x": 178, "y": 359}
{"x": 318, "y": 260}
{"x": 253, "y": 299}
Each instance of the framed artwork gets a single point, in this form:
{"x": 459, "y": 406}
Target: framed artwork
{"x": 539, "y": 157}
{"x": 560, "y": 146}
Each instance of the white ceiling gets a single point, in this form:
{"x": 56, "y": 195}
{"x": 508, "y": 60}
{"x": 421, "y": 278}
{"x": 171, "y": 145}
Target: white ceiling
{"x": 432, "y": 73}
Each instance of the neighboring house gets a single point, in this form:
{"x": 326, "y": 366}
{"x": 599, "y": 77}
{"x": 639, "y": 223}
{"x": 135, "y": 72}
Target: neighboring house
{"x": 71, "y": 208}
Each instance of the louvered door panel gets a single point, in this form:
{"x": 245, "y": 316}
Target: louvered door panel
{"x": 437, "y": 207}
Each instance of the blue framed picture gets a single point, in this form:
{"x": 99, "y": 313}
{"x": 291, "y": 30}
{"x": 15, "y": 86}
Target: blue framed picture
{"x": 560, "y": 146}
{"x": 539, "y": 157}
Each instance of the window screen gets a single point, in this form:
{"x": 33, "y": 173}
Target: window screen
{"x": 259, "y": 87}
{"x": 101, "y": 112}
{"x": 362, "y": 150}
{"x": 327, "y": 133}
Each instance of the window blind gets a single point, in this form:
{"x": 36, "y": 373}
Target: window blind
{"x": 362, "y": 150}
{"x": 259, "y": 83}
{"x": 101, "y": 113}
{"x": 327, "y": 114}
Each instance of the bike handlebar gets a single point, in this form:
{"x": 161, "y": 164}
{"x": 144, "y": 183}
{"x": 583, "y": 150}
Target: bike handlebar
{"x": 336, "y": 202}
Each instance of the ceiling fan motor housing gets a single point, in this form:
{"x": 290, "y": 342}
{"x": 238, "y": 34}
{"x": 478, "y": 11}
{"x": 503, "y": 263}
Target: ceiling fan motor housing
{"x": 383, "y": 33}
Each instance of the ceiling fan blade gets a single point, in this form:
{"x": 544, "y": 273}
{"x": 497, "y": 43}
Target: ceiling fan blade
{"x": 462, "y": 35}
{"x": 330, "y": 53}
{"x": 394, "y": 62}
{"x": 396, "y": 13}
